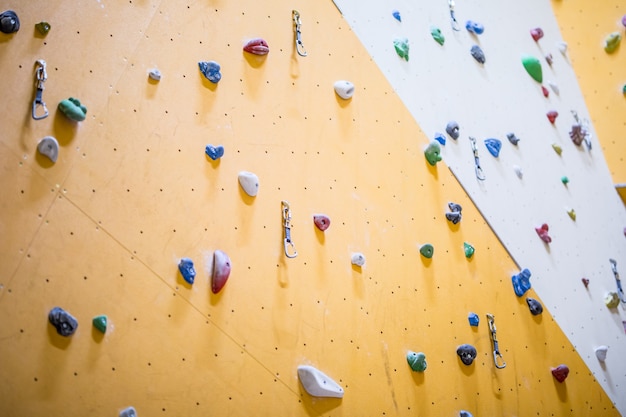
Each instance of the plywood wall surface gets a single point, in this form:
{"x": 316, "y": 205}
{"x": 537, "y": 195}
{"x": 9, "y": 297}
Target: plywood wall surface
{"x": 102, "y": 230}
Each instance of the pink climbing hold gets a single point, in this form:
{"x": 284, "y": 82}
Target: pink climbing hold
{"x": 560, "y": 372}
{"x": 321, "y": 221}
{"x": 624, "y": 20}
{"x": 585, "y": 282}
{"x": 552, "y": 115}
{"x": 221, "y": 271}
{"x": 545, "y": 91}
{"x": 543, "y": 233}
{"x": 536, "y": 33}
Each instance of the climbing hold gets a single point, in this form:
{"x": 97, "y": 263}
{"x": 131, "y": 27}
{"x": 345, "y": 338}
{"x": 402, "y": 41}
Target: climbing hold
{"x": 214, "y": 152}
{"x": 464, "y": 413}
{"x": 321, "y": 221}
{"x": 437, "y": 35}
{"x": 571, "y": 213}
{"x": 9, "y": 22}
{"x": 72, "y": 108}
{"x": 154, "y": 74}
{"x": 545, "y": 91}
{"x": 542, "y": 231}
{"x": 468, "y": 249}
{"x": 467, "y": 353}
{"x": 63, "y": 321}
{"x": 478, "y": 54}
{"x": 564, "y": 180}
{"x": 562, "y": 47}
{"x": 128, "y": 412}
{"x": 427, "y": 250}
{"x": 533, "y": 67}
{"x": 521, "y": 282}
{"x": 536, "y": 33}
{"x": 585, "y": 282}
{"x": 211, "y": 70}
{"x": 249, "y": 182}
{"x": 557, "y": 148}
{"x": 549, "y": 59}
{"x": 473, "y": 319}
{"x": 624, "y": 20}
{"x": 401, "y": 46}
{"x": 452, "y": 129}
{"x": 554, "y": 87}
{"x": 416, "y": 360}
{"x": 221, "y": 271}
{"x": 560, "y": 372}
{"x": 100, "y": 323}
{"x": 433, "y": 152}
{"x": 612, "y": 41}
{"x": 396, "y": 15}
{"x": 49, "y": 147}
{"x": 257, "y": 46}
{"x": 317, "y": 383}
{"x": 601, "y": 352}
{"x": 518, "y": 171}
{"x": 344, "y": 89}
{"x": 454, "y": 215}
{"x": 474, "y": 27}
{"x": 185, "y": 266}
{"x": 440, "y": 137}
{"x": 535, "y": 306}
{"x": 493, "y": 146}
{"x": 577, "y": 134}
{"x": 552, "y": 115}
{"x": 512, "y": 138}
{"x": 357, "y": 259}
{"x": 611, "y": 299}
{"x": 43, "y": 27}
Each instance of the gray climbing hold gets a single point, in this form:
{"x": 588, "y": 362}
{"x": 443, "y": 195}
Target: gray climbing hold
{"x": 452, "y": 129}
{"x": 63, "y": 321}
{"x": 317, "y": 383}
{"x": 512, "y": 138}
{"x": 535, "y": 306}
{"x": 454, "y": 215}
{"x": 357, "y": 259}
{"x": 154, "y": 74}
{"x": 9, "y": 22}
{"x": 601, "y": 352}
{"x": 49, "y": 147}
{"x": 464, "y": 413}
{"x": 128, "y": 412}
{"x": 467, "y": 353}
{"x": 249, "y": 183}
{"x": 211, "y": 70}
{"x": 478, "y": 54}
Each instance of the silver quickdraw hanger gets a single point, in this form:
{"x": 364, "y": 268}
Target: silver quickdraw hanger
{"x": 290, "y": 249}
{"x": 618, "y": 281}
{"x": 41, "y": 75}
{"x": 296, "y": 27}
{"x": 453, "y": 22}
{"x": 479, "y": 171}
{"x": 497, "y": 356}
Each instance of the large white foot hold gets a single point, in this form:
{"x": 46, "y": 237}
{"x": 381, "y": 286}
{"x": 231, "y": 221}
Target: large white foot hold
{"x": 317, "y": 383}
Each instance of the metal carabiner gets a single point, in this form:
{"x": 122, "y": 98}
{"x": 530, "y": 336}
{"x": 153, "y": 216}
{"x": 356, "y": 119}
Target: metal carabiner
{"x": 290, "y": 249}
{"x": 453, "y": 22}
{"x": 297, "y": 23}
{"x": 618, "y": 281}
{"x": 479, "y": 171}
{"x": 41, "y": 75}
{"x": 496, "y": 350}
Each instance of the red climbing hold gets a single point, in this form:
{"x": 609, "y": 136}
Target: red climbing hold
{"x": 545, "y": 91}
{"x": 536, "y": 33}
{"x": 585, "y": 282}
{"x": 221, "y": 271}
{"x": 552, "y": 115}
{"x": 321, "y": 221}
{"x": 560, "y": 372}
{"x": 543, "y": 233}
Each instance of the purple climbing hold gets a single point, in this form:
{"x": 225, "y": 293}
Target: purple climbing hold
{"x": 521, "y": 282}
{"x": 473, "y": 319}
{"x": 185, "y": 266}
{"x": 467, "y": 353}
{"x": 542, "y": 231}
{"x": 478, "y": 54}
{"x": 624, "y": 20}
{"x": 577, "y": 134}
{"x": 493, "y": 146}
{"x": 63, "y": 321}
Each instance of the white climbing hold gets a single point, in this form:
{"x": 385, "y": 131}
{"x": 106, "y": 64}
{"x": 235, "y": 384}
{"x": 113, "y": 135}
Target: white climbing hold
{"x": 249, "y": 182}
{"x": 518, "y": 171}
{"x": 128, "y": 412}
{"x": 554, "y": 87}
{"x": 317, "y": 383}
{"x": 562, "y": 47}
{"x": 601, "y": 352}
{"x": 358, "y": 259}
{"x": 344, "y": 89}
{"x": 49, "y": 147}
{"x": 155, "y": 74}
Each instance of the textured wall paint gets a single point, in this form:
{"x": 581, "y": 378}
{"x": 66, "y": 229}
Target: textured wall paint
{"x": 101, "y": 231}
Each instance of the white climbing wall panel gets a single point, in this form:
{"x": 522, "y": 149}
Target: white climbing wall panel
{"x": 443, "y": 83}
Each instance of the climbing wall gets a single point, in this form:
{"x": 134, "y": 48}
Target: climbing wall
{"x": 102, "y": 230}
{"x": 527, "y": 184}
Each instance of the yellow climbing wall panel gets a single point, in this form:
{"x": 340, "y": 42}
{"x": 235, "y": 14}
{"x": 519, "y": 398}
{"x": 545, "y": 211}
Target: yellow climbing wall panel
{"x": 102, "y": 230}
{"x": 585, "y": 26}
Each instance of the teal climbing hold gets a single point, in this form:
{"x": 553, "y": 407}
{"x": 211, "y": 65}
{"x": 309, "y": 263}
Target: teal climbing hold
{"x": 417, "y": 361}
{"x": 427, "y": 250}
{"x": 72, "y": 108}
{"x": 100, "y": 323}
{"x": 533, "y": 67}
{"x": 469, "y": 250}
{"x": 437, "y": 35}
{"x": 402, "y": 47}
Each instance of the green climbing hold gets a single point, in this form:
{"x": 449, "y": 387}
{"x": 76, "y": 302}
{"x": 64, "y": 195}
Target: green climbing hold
{"x": 402, "y": 47}
{"x": 624, "y": 89}
{"x": 43, "y": 27}
{"x": 100, "y": 323}
{"x": 416, "y": 360}
{"x": 427, "y": 250}
{"x": 564, "y": 180}
{"x": 533, "y": 67}
{"x": 432, "y": 152}
{"x": 612, "y": 42}
{"x": 437, "y": 35}
{"x": 72, "y": 108}
{"x": 469, "y": 250}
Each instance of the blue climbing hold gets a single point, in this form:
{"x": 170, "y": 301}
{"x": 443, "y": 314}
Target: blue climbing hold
{"x": 493, "y": 146}
{"x": 187, "y": 270}
{"x": 396, "y": 15}
{"x": 473, "y": 319}
{"x": 439, "y": 137}
{"x": 214, "y": 152}
{"x": 521, "y": 282}
{"x": 211, "y": 70}
{"x": 474, "y": 27}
